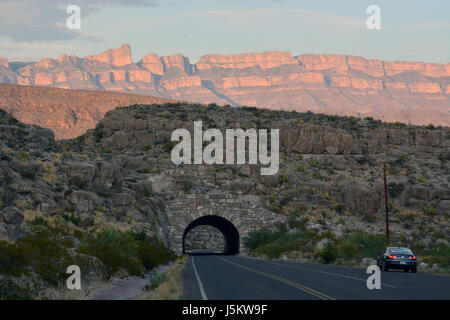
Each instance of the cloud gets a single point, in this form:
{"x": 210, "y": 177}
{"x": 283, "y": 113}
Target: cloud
{"x": 423, "y": 25}
{"x": 317, "y": 16}
{"x": 44, "y": 20}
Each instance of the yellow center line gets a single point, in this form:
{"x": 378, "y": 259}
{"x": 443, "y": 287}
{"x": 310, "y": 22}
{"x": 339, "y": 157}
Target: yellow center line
{"x": 303, "y": 288}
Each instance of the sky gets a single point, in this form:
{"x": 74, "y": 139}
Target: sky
{"x": 413, "y": 30}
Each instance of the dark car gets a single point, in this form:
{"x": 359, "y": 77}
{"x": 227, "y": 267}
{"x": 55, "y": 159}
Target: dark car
{"x": 397, "y": 258}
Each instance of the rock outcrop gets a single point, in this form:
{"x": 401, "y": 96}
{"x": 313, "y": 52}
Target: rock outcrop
{"x": 69, "y": 113}
{"x": 408, "y": 92}
{"x": 115, "y": 57}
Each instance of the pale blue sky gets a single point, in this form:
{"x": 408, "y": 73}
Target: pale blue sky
{"x": 411, "y": 30}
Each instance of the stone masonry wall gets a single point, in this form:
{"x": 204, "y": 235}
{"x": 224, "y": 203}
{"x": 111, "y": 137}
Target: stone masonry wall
{"x": 243, "y": 211}
{"x": 204, "y": 237}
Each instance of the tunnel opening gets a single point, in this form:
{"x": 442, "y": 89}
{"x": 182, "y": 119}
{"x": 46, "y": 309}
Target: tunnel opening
{"x": 228, "y": 230}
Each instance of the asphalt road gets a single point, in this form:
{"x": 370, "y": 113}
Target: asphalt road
{"x": 217, "y": 277}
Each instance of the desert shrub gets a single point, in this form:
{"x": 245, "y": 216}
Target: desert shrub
{"x": 47, "y": 256}
{"x": 439, "y": 254}
{"x": 259, "y": 237}
{"x": 153, "y": 253}
{"x": 347, "y": 249}
{"x": 39, "y": 221}
{"x": 430, "y": 210}
{"x": 10, "y": 290}
{"x": 395, "y": 189}
{"x": 115, "y": 249}
{"x": 42, "y": 254}
{"x": 72, "y": 218}
{"x": 134, "y": 252}
{"x": 284, "y": 178}
{"x": 12, "y": 262}
{"x": 294, "y": 221}
{"x": 77, "y": 182}
{"x": 284, "y": 242}
{"x": 98, "y": 133}
{"x": 274, "y": 243}
{"x": 328, "y": 254}
{"x": 369, "y": 245}
{"x": 313, "y": 163}
{"x": 155, "y": 281}
{"x": 27, "y": 171}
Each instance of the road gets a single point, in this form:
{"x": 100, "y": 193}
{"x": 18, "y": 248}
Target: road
{"x": 219, "y": 277}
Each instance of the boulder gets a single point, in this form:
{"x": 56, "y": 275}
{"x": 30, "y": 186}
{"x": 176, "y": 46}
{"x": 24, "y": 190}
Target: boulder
{"x": 86, "y": 220}
{"x": 421, "y": 192}
{"x": 365, "y": 262}
{"x": 361, "y": 198}
{"x": 322, "y": 243}
{"x": 422, "y": 266}
{"x": 12, "y": 215}
{"x": 85, "y": 200}
{"x": 82, "y": 171}
{"x": 9, "y": 232}
{"x": 122, "y": 199}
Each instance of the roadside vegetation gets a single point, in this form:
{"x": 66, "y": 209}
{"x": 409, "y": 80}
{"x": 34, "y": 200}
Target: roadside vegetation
{"x": 306, "y": 245}
{"x": 166, "y": 286}
{"x": 37, "y": 263}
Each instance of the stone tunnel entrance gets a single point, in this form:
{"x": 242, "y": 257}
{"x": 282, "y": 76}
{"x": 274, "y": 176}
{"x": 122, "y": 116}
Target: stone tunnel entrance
{"x": 233, "y": 215}
{"x": 228, "y": 230}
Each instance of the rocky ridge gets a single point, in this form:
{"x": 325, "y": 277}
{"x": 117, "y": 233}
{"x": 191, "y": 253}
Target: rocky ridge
{"x": 69, "y": 113}
{"x": 409, "y": 92}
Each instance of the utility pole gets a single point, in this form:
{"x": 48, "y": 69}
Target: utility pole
{"x": 386, "y": 202}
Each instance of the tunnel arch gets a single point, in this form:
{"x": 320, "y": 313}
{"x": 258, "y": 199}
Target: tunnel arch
{"x": 228, "y": 230}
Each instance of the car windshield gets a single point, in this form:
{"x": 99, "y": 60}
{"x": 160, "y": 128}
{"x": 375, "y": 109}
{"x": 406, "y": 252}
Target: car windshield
{"x": 400, "y": 250}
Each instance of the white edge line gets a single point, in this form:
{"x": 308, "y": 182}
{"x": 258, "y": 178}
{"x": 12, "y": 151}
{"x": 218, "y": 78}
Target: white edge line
{"x": 202, "y": 290}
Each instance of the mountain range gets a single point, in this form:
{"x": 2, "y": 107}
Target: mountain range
{"x": 408, "y": 92}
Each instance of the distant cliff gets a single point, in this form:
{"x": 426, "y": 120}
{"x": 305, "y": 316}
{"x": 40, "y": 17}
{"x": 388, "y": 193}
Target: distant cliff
{"x": 69, "y": 113}
{"x": 410, "y": 92}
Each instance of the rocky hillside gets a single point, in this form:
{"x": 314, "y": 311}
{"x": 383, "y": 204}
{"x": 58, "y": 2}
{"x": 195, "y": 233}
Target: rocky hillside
{"x": 408, "y": 92}
{"x": 331, "y": 169}
{"x": 69, "y": 113}
{"x": 118, "y": 175}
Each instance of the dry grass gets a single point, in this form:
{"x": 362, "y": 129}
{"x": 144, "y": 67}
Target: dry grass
{"x": 30, "y": 215}
{"x": 171, "y": 288}
{"x": 49, "y": 174}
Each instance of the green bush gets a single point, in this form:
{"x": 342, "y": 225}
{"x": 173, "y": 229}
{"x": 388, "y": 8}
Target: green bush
{"x": 440, "y": 255}
{"x": 353, "y": 246}
{"x": 134, "y": 252}
{"x": 151, "y": 252}
{"x": 116, "y": 250}
{"x": 43, "y": 254}
{"x": 72, "y": 218}
{"x": 155, "y": 281}
{"x": 284, "y": 242}
{"x": 369, "y": 245}
{"x": 47, "y": 256}
{"x": 259, "y": 237}
{"x": 10, "y": 290}
{"x": 274, "y": 243}
{"x": 12, "y": 262}
{"x": 77, "y": 182}
{"x": 430, "y": 210}
{"x": 328, "y": 254}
